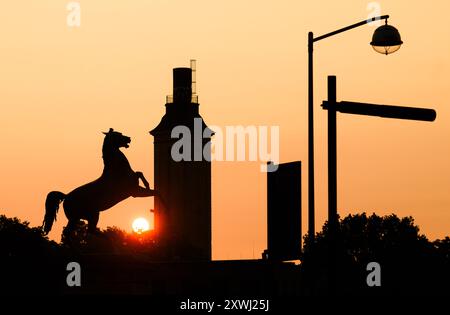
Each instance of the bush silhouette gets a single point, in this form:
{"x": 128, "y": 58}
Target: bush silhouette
{"x": 410, "y": 263}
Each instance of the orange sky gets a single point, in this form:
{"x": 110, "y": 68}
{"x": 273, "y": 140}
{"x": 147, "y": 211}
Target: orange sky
{"x": 61, "y": 86}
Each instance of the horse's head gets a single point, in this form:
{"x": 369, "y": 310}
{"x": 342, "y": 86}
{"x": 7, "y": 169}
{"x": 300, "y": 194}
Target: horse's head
{"x": 116, "y": 139}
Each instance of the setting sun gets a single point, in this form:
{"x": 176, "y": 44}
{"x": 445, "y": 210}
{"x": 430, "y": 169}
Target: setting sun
{"x": 140, "y": 225}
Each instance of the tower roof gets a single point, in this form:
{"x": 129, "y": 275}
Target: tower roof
{"x": 182, "y": 111}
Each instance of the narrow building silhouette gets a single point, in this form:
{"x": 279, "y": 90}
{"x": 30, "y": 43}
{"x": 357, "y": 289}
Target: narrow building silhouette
{"x": 183, "y": 202}
{"x": 284, "y": 212}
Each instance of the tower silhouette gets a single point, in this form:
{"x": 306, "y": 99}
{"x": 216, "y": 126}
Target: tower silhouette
{"x": 183, "y": 202}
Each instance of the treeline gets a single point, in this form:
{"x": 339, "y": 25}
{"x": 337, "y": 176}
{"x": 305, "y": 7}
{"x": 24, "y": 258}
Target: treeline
{"x": 410, "y": 264}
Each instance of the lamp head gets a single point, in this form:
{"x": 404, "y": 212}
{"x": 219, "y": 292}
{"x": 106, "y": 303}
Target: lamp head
{"x": 386, "y": 39}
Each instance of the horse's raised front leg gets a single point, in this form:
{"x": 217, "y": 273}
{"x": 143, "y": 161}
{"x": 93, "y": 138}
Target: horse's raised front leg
{"x": 142, "y": 192}
{"x": 139, "y": 191}
{"x": 141, "y": 176}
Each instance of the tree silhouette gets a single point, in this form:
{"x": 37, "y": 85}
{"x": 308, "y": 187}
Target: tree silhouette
{"x": 18, "y": 239}
{"x": 410, "y": 264}
{"x": 111, "y": 240}
{"x": 29, "y": 262}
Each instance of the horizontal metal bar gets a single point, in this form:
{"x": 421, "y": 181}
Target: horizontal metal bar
{"x": 376, "y": 18}
{"x": 385, "y": 111}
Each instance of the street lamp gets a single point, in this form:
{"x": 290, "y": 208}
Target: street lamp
{"x": 386, "y": 40}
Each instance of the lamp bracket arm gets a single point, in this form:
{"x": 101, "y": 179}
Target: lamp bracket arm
{"x": 376, "y": 18}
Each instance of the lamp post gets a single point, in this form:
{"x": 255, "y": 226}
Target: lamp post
{"x": 386, "y": 40}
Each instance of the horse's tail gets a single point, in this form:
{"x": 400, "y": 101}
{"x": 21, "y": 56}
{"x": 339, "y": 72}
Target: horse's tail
{"x": 52, "y": 202}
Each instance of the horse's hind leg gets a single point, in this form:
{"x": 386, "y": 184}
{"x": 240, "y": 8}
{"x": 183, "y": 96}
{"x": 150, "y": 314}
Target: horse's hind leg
{"x": 92, "y": 222}
{"x": 69, "y": 229}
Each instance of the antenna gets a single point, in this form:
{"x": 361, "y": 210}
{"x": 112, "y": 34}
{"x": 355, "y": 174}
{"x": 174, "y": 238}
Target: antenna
{"x": 194, "y": 80}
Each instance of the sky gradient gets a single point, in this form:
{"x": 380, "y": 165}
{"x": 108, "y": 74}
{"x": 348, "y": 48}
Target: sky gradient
{"x": 61, "y": 86}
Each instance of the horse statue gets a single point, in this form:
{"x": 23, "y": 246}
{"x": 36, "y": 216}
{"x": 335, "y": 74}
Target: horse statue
{"x": 117, "y": 182}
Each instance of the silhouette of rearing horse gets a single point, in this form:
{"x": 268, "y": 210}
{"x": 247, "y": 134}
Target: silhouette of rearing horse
{"x": 117, "y": 182}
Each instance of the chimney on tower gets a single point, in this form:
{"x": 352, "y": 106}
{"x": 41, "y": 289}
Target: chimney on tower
{"x": 182, "y": 85}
